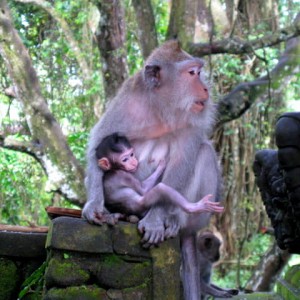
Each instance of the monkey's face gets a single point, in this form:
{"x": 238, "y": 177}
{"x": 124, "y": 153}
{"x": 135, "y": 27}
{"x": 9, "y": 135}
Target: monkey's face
{"x": 209, "y": 246}
{"x": 195, "y": 92}
{"x": 127, "y": 160}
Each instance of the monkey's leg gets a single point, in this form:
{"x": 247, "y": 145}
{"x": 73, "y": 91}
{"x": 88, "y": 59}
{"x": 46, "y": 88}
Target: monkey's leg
{"x": 162, "y": 192}
{"x": 190, "y": 270}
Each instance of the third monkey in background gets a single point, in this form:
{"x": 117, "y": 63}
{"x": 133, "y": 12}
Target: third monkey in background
{"x": 208, "y": 246}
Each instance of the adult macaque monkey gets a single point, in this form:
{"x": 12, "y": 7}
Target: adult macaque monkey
{"x": 166, "y": 113}
{"x": 208, "y": 246}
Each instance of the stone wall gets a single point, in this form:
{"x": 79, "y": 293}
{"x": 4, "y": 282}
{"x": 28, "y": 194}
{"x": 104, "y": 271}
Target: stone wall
{"x": 21, "y": 253}
{"x": 102, "y": 262}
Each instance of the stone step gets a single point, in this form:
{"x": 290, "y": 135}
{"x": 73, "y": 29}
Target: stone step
{"x": 258, "y": 296}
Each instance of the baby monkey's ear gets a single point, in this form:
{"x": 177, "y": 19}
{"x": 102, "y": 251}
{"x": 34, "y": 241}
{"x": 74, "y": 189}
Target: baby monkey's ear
{"x": 104, "y": 164}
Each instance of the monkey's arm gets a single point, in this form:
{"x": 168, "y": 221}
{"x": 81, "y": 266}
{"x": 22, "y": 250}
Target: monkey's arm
{"x": 151, "y": 181}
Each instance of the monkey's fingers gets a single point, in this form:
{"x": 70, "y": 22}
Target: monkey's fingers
{"x": 172, "y": 227}
{"x": 219, "y": 210}
{"x": 216, "y": 207}
{"x": 98, "y": 218}
{"x": 141, "y": 227}
{"x": 112, "y": 219}
{"x": 153, "y": 237}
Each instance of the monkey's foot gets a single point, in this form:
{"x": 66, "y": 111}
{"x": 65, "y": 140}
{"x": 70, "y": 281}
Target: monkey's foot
{"x": 172, "y": 226}
{"x": 154, "y": 232}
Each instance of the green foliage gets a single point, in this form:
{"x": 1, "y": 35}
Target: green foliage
{"x": 34, "y": 283}
{"x": 161, "y": 14}
{"x": 22, "y": 196}
{"x": 255, "y": 247}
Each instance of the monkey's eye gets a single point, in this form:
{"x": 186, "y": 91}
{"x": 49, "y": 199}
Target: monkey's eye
{"x": 132, "y": 154}
{"x": 124, "y": 159}
{"x": 192, "y": 72}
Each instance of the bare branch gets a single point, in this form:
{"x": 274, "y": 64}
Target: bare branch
{"x": 238, "y": 46}
{"x": 30, "y": 148}
{"x": 244, "y": 95}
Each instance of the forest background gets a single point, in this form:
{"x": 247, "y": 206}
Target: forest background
{"x": 61, "y": 62}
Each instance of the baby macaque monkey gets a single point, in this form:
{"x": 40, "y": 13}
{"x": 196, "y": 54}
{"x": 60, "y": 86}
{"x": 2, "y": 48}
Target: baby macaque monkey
{"x": 123, "y": 193}
{"x": 208, "y": 246}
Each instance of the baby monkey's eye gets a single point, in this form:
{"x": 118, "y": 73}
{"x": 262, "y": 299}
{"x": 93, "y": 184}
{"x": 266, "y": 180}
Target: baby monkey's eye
{"x": 192, "y": 72}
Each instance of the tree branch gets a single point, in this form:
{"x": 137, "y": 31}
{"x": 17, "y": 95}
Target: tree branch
{"x": 238, "y": 46}
{"x": 58, "y": 158}
{"x": 244, "y": 95}
{"x": 30, "y": 148}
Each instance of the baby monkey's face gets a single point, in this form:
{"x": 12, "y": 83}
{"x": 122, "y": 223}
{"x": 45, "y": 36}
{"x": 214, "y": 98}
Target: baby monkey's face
{"x": 127, "y": 160}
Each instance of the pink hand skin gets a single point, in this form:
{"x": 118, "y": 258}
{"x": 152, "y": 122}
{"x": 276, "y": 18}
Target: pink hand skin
{"x": 205, "y": 205}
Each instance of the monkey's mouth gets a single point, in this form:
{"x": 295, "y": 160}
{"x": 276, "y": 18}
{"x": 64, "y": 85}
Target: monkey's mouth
{"x": 197, "y": 106}
{"x": 133, "y": 169}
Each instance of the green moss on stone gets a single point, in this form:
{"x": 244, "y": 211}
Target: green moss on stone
{"x": 8, "y": 279}
{"x": 65, "y": 273}
{"x": 77, "y": 293}
{"x": 117, "y": 273}
{"x": 258, "y": 296}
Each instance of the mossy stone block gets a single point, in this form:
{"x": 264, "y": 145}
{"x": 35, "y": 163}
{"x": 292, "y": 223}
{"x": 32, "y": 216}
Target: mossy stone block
{"x": 136, "y": 293}
{"x": 65, "y": 273}
{"x": 120, "y": 274}
{"x": 8, "y": 279}
{"x": 22, "y": 244}
{"x": 166, "y": 266}
{"x": 66, "y": 233}
{"x": 127, "y": 240}
{"x": 256, "y": 296}
{"x": 77, "y": 293}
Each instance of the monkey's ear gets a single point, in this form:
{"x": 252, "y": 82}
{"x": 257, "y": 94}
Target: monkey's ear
{"x": 152, "y": 75}
{"x": 104, "y": 164}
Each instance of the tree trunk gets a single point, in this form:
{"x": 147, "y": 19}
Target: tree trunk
{"x": 268, "y": 270}
{"x": 110, "y": 39}
{"x": 54, "y": 154}
{"x": 182, "y": 21}
{"x": 146, "y": 26}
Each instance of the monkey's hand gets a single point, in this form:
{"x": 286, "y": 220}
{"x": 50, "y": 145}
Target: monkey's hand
{"x": 152, "y": 227}
{"x": 205, "y": 205}
{"x": 93, "y": 213}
